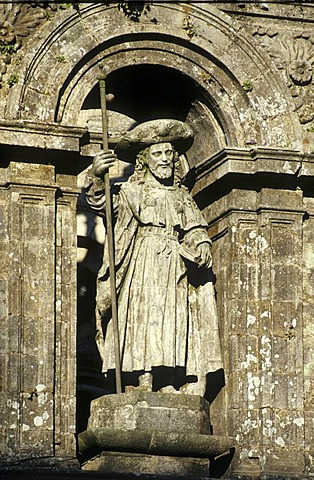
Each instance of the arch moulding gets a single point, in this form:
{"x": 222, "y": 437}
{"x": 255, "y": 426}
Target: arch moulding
{"x": 248, "y": 170}
{"x": 211, "y": 52}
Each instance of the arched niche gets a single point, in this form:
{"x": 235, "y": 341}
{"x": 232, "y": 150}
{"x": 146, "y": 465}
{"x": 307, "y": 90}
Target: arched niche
{"x": 199, "y": 56}
{"x": 148, "y": 91}
{"x": 206, "y": 66}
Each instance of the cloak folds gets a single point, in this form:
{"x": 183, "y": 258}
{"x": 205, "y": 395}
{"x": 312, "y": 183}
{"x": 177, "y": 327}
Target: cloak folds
{"x": 167, "y": 309}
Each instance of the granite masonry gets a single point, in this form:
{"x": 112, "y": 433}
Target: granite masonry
{"x": 241, "y": 75}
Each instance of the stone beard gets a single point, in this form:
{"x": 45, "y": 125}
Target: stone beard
{"x": 167, "y": 312}
{"x": 160, "y": 160}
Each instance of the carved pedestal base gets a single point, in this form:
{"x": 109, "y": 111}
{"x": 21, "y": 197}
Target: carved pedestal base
{"x": 150, "y": 433}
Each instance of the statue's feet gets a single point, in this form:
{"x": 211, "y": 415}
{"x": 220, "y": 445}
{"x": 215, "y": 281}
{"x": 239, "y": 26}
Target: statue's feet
{"x": 195, "y": 388}
{"x": 145, "y": 382}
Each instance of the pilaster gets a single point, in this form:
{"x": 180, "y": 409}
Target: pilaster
{"x": 38, "y": 316}
{"x": 28, "y": 219}
{"x": 259, "y": 223}
{"x": 66, "y": 314}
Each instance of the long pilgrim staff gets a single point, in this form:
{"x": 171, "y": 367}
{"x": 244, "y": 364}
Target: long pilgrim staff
{"x": 109, "y": 226}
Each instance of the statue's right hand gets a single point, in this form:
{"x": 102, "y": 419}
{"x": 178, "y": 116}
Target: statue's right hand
{"x": 102, "y": 161}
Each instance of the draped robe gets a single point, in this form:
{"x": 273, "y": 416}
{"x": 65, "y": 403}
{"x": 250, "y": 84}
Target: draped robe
{"x": 166, "y": 304}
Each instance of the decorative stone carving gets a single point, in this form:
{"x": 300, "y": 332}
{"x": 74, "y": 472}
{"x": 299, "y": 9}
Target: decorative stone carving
{"x": 167, "y": 313}
{"x": 16, "y": 22}
{"x": 300, "y": 71}
{"x": 259, "y": 202}
{"x": 134, "y": 10}
{"x": 294, "y": 55}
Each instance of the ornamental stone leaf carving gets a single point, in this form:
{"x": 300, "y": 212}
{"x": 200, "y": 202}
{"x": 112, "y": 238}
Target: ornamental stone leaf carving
{"x": 293, "y": 54}
{"x": 16, "y": 22}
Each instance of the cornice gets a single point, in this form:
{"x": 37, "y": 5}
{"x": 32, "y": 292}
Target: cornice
{"x": 21, "y": 133}
{"x": 252, "y": 161}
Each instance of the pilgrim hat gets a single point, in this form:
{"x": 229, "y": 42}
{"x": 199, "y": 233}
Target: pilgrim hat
{"x": 178, "y": 133}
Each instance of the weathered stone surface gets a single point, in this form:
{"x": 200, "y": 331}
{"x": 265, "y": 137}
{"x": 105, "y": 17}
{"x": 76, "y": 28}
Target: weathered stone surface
{"x": 155, "y": 425}
{"x": 155, "y": 442}
{"x": 150, "y": 410}
{"x": 241, "y": 74}
{"x": 41, "y": 135}
{"x": 134, "y": 464}
{"x": 211, "y": 31}
{"x": 264, "y": 327}
{"x": 165, "y": 295}
{"x": 28, "y": 352}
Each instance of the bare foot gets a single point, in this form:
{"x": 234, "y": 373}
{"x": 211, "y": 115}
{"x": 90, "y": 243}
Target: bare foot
{"x": 195, "y": 388}
{"x": 145, "y": 381}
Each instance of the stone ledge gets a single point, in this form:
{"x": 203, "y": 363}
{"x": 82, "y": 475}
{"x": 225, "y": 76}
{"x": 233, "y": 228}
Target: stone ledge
{"x": 31, "y": 474}
{"x": 47, "y": 136}
{"x": 132, "y": 463}
{"x": 153, "y": 442}
{"x": 248, "y": 161}
{"x": 27, "y": 474}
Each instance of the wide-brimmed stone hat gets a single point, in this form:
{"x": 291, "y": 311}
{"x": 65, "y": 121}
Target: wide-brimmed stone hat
{"x": 178, "y": 133}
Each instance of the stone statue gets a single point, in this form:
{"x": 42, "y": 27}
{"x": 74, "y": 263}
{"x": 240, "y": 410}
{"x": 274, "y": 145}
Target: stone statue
{"x": 167, "y": 314}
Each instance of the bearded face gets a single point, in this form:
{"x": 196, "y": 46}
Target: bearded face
{"x": 160, "y": 160}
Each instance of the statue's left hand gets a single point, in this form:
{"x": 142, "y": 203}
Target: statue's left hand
{"x": 204, "y": 256}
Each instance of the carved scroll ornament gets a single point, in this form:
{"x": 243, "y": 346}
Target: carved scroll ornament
{"x": 293, "y": 54}
{"x": 16, "y": 22}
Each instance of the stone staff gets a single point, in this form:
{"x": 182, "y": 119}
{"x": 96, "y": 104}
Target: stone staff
{"x": 109, "y": 227}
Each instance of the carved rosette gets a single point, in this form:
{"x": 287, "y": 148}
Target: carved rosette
{"x": 16, "y": 22}
{"x": 293, "y": 54}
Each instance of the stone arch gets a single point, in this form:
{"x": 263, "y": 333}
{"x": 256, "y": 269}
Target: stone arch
{"x": 239, "y": 98}
{"x": 254, "y": 191}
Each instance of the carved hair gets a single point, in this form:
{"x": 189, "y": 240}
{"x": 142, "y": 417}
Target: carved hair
{"x": 141, "y": 166}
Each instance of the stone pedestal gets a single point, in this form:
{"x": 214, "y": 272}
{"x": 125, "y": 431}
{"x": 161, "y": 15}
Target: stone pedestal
{"x": 150, "y": 433}
{"x": 149, "y": 410}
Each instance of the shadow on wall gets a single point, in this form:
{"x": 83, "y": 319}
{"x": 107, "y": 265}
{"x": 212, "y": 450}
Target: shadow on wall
{"x": 219, "y": 465}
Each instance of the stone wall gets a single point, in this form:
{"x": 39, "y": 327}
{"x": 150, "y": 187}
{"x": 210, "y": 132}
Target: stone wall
{"x": 38, "y": 311}
{"x": 257, "y": 225}
{"x": 241, "y": 74}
